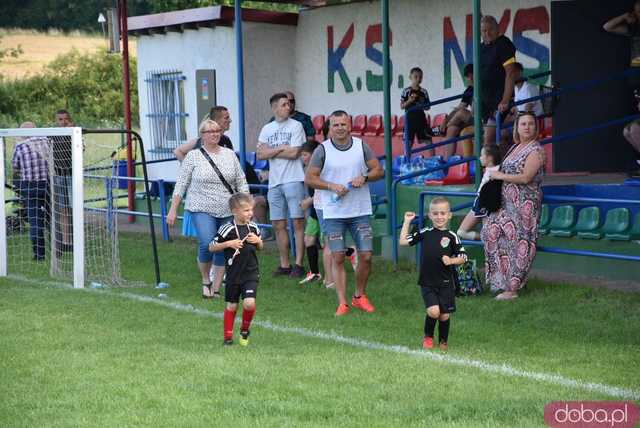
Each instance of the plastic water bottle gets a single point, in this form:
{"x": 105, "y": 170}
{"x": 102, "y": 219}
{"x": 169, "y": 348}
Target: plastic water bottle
{"x": 418, "y": 165}
{"x": 162, "y": 285}
{"x": 405, "y": 168}
{"x": 335, "y": 197}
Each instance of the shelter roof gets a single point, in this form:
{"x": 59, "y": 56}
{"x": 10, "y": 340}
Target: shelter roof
{"x": 179, "y": 20}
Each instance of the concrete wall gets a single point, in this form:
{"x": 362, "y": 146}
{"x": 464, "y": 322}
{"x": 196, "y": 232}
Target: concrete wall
{"x": 186, "y": 52}
{"x": 269, "y": 67}
{"x": 332, "y": 59}
{"x": 339, "y": 46}
{"x": 267, "y": 70}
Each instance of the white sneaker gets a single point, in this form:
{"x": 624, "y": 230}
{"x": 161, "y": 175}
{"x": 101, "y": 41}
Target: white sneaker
{"x": 311, "y": 277}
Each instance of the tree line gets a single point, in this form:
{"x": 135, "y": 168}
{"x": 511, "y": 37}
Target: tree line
{"x": 68, "y": 15}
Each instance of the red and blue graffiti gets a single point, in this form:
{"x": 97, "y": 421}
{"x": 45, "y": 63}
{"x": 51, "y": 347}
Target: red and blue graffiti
{"x": 536, "y": 18}
{"x": 335, "y": 56}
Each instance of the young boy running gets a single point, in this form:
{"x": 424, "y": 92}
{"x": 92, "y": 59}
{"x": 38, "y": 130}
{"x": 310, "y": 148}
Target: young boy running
{"x": 442, "y": 250}
{"x": 240, "y": 240}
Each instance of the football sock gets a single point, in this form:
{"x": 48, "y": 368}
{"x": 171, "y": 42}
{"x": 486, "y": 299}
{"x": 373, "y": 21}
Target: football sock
{"x": 247, "y": 316}
{"x": 429, "y": 326}
{"x": 312, "y": 255}
{"x": 443, "y": 331}
{"x": 229, "y": 318}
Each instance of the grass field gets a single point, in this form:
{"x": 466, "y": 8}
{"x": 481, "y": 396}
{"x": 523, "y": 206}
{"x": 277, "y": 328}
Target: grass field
{"x": 40, "y": 48}
{"x": 124, "y": 357}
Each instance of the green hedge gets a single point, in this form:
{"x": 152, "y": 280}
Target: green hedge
{"x": 88, "y": 85}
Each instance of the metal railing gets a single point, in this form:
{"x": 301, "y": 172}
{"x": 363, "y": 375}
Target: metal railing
{"x": 557, "y": 198}
{"x": 576, "y": 87}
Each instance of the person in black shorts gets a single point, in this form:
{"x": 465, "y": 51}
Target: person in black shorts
{"x": 240, "y": 240}
{"x": 412, "y": 98}
{"x": 497, "y": 74}
{"x": 441, "y": 251}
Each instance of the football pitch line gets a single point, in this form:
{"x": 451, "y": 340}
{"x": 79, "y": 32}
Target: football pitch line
{"x": 500, "y": 369}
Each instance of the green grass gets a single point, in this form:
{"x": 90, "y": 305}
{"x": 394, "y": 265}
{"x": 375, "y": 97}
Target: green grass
{"x": 82, "y": 358}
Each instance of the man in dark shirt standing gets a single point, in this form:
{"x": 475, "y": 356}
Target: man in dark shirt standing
{"x": 497, "y": 74}
{"x": 62, "y": 183}
{"x": 303, "y": 118}
{"x": 628, "y": 24}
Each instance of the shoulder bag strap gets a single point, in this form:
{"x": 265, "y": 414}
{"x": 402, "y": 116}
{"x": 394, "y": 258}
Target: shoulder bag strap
{"x": 225, "y": 183}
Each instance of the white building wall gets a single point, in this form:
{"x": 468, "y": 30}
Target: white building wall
{"x": 418, "y": 39}
{"x": 187, "y": 52}
{"x": 279, "y": 57}
{"x": 269, "y": 67}
{"x": 267, "y": 70}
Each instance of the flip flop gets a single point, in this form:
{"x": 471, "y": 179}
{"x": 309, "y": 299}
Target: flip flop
{"x": 205, "y": 288}
{"x": 503, "y": 296}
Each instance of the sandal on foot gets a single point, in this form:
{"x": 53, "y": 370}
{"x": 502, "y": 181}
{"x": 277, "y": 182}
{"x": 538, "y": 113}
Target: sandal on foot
{"x": 506, "y": 296}
{"x": 216, "y": 295}
{"x": 206, "y": 291}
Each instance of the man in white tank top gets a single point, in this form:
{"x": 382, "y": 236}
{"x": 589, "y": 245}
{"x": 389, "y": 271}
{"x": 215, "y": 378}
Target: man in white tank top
{"x": 339, "y": 169}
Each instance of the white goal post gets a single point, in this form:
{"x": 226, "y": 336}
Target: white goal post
{"x": 77, "y": 204}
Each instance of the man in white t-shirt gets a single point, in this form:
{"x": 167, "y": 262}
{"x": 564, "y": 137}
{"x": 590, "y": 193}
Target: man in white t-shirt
{"x": 280, "y": 142}
{"x": 524, "y": 90}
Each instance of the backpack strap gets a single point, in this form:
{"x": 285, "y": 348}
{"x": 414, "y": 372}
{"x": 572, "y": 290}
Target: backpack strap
{"x": 225, "y": 183}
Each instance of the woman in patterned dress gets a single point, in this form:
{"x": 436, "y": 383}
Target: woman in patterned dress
{"x": 208, "y": 198}
{"x": 510, "y": 234}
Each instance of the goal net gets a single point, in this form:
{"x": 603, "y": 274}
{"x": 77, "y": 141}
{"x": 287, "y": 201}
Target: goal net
{"x": 59, "y": 218}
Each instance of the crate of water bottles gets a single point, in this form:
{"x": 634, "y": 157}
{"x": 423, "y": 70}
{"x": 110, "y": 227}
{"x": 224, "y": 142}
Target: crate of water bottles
{"x": 418, "y": 163}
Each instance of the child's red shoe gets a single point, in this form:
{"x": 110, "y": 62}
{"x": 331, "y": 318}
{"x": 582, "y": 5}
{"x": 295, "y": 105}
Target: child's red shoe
{"x": 427, "y": 342}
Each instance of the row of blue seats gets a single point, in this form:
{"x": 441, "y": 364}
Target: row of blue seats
{"x": 562, "y": 221}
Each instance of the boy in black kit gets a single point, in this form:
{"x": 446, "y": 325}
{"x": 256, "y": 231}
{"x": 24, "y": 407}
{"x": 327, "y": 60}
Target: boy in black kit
{"x": 441, "y": 251}
{"x": 240, "y": 240}
{"x": 416, "y": 95}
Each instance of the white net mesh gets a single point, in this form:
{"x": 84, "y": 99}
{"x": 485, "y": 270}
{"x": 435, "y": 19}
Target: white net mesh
{"x": 40, "y": 210}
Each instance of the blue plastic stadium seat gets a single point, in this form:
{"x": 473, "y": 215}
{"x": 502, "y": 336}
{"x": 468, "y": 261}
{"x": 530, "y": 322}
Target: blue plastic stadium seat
{"x": 562, "y": 221}
{"x": 635, "y": 229}
{"x": 588, "y": 223}
{"x": 616, "y": 224}
{"x": 251, "y": 158}
{"x": 543, "y": 228}
{"x": 261, "y": 164}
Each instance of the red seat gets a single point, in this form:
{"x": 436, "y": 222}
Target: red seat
{"x": 374, "y": 125}
{"x": 438, "y": 120}
{"x": 546, "y": 128}
{"x": 394, "y": 124}
{"x": 399, "y": 130}
{"x": 458, "y": 174}
{"x": 359, "y": 124}
{"x": 318, "y": 123}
